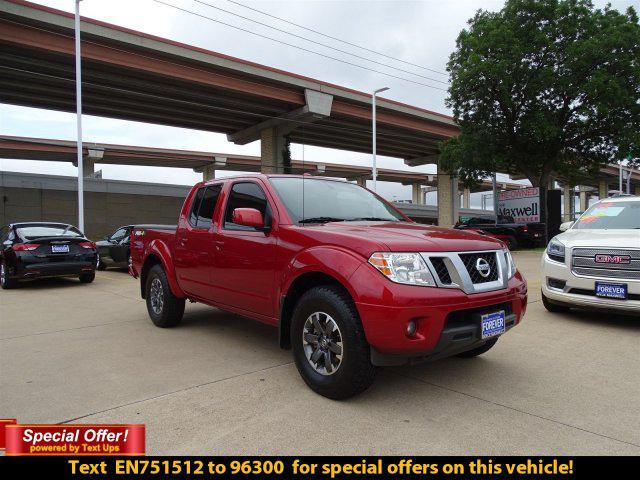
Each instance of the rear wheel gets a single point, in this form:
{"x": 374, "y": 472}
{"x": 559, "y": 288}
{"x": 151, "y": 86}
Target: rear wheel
{"x": 5, "y": 282}
{"x": 165, "y": 309}
{"x": 329, "y": 345}
{"x": 553, "y": 307}
{"x": 488, "y": 345}
{"x": 88, "y": 277}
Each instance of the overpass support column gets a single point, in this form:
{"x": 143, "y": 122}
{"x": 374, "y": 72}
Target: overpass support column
{"x": 603, "y": 189}
{"x": 584, "y": 200}
{"x": 208, "y": 171}
{"x": 466, "y": 198}
{"x": 88, "y": 166}
{"x": 272, "y": 145}
{"x": 362, "y": 181}
{"x": 448, "y": 199}
{"x": 417, "y": 197}
{"x": 567, "y": 198}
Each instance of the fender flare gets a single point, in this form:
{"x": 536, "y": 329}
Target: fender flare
{"x": 161, "y": 250}
{"x": 331, "y": 261}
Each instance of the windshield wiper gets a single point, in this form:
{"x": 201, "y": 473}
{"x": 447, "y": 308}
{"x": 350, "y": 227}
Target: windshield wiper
{"x": 322, "y": 220}
{"x": 372, "y": 219}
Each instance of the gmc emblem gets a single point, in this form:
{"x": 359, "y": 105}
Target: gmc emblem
{"x": 612, "y": 259}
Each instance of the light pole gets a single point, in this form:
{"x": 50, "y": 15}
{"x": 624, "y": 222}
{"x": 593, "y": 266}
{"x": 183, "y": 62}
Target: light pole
{"x": 79, "y": 119}
{"x": 373, "y": 122}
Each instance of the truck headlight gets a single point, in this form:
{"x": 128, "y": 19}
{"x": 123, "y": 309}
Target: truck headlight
{"x": 405, "y": 268}
{"x": 555, "y": 250}
{"x": 511, "y": 265}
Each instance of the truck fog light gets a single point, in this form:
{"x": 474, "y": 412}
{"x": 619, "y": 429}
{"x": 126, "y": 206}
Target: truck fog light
{"x": 411, "y": 328}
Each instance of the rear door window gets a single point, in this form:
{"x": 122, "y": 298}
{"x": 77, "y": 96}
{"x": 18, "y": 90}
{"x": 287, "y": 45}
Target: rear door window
{"x": 208, "y": 206}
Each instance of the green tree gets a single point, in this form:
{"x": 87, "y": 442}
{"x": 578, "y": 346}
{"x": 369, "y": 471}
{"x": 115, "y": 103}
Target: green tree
{"x": 544, "y": 88}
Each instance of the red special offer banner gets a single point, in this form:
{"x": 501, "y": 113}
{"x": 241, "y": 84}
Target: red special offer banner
{"x": 3, "y": 423}
{"x": 75, "y": 440}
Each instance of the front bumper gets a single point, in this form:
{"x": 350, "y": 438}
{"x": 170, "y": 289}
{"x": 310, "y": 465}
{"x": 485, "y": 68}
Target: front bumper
{"x": 578, "y": 291}
{"x": 447, "y": 320}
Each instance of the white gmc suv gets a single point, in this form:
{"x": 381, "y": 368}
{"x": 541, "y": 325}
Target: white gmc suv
{"x": 595, "y": 262}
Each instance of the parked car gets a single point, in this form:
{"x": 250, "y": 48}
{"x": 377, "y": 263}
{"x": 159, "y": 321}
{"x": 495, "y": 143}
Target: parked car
{"x": 515, "y": 235}
{"x": 33, "y": 250}
{"x": 350, "y": 281}
{"x": 595, "y": 262}
{"x": 114, "y": 250}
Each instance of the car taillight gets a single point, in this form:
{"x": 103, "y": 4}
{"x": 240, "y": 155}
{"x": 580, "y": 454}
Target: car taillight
{"x": 87, "y": 245}
{"x": 25, "y": 247}
{"x": 525, "y": 229}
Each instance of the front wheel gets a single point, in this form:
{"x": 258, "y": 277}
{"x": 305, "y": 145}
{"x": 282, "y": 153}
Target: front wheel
{"x": 329, "y": 345}
{"x": 165, "y": 309}
{"x": 553, "y": 307}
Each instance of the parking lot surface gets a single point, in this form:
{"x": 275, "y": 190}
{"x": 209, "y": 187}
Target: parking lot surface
{"x": 561, "y": 384}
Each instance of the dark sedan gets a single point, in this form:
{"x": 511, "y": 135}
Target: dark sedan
{"x": 114, "y": 250}
{"x": 33, "y": 250}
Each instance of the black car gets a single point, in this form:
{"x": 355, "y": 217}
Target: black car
{"x": 33, "y": 250}
{"x": 514, "y": 234}
{"x": 114, "y": 250}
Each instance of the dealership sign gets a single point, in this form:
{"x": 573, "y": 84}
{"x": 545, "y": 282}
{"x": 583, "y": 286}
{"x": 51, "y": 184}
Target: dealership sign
{"x": 522, "y": 205}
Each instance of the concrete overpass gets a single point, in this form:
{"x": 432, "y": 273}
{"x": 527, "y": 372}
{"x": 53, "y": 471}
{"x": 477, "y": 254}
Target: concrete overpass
{"x": 43, "y": 149}
{"x": 134, "y": 76}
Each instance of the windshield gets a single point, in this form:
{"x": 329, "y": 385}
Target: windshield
{"x": 38, "y": 231}
{"x": 330, "y": 200}
{"x": 610, "y": 215}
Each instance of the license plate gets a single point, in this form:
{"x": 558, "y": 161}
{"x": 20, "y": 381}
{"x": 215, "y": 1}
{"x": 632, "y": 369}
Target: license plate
{"x": 60, "y": 248}
{"x": 492, "y": 324}
{"x": 611, "y": 290}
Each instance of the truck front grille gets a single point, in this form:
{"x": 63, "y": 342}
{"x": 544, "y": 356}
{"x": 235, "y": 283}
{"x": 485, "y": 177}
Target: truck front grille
{"x": 441, "y": 270}
{"x": 606, "y": 262}
{"x": 470, "y": 261}
{"x": 471, "y": 272}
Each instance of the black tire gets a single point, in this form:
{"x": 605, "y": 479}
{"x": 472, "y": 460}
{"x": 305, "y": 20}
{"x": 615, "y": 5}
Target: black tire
{"x": 512, "y": 243}
{"x": 5, "y": 282}
{"x": 100, "y": 264}
{"x": 553, "y": 307}
{"x": 169, "y": 313}
{"x": 354, "y": 372}
{"x": 488, "y": 345}
{"x": 88, "y": 277}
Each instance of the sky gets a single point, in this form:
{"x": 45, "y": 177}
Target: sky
{"x": 419, "y": 32}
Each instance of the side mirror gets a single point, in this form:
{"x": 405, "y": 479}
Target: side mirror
{"x": 248, "y": 217}
{"x": 565, "y": 226}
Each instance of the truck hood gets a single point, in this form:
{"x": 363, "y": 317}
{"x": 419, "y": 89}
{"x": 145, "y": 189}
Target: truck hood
{"x": 368, "y": 237}
{"x": 600, "y": 238}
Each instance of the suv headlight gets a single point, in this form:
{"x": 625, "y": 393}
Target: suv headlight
{"x": 511, "y": 265}
{"x": 555, "y": 250}
{"x": 405, "y": 268}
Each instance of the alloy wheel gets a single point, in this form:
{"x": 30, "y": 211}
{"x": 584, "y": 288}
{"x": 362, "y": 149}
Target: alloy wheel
{"x": 156, "y": 296}
{"x": 322, "y": 343}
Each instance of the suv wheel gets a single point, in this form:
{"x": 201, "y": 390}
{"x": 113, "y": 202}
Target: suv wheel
{"x": 5, "y": 282}
{"x": 329, "y": 346}
{"x": 553, "y": 307}
{"x": 165, "y": 309}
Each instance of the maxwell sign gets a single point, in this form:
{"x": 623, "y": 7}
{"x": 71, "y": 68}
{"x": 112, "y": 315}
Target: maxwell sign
{"x": 522, "y": 205}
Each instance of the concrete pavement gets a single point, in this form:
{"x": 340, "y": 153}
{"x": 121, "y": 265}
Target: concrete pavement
{"x": 218, "y": 384}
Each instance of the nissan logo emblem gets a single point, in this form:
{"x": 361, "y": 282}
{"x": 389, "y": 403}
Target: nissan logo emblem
{"x": 483, "y": 267}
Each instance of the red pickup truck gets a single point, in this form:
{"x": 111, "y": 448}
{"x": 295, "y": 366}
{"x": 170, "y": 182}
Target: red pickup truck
{"x": 350, "y": 281}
